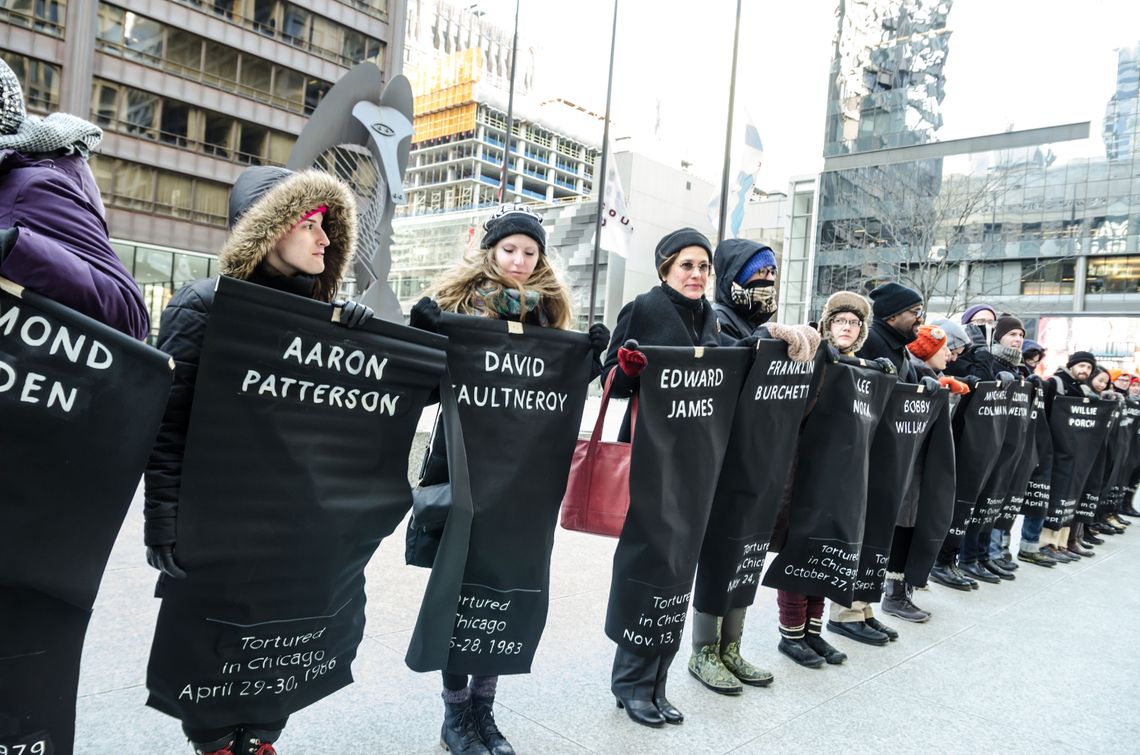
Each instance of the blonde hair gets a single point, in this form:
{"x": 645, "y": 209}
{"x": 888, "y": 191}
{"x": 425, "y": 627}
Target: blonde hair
{"x": 458, "y": 290}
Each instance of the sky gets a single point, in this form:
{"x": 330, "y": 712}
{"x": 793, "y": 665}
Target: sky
{"x": 1019, "y": 63}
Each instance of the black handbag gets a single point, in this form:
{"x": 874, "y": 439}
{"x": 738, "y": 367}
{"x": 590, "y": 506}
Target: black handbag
{"x": 430, "y": 506}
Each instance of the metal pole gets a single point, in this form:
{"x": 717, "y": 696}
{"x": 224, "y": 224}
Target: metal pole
{"x": 728, "y": 132}
{"x": 510, "y": 109}
{"x": 601, "y": 182}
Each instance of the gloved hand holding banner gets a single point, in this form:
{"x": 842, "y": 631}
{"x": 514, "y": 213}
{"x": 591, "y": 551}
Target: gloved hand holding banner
{"x": 79, "y": 406}
{"x": 1079, "y": 427}
{"x": 687, "y": 402}
{"x": 1037, "y": 490}
{"x": 517, "y": 393}
{"x": 295, "y": 469}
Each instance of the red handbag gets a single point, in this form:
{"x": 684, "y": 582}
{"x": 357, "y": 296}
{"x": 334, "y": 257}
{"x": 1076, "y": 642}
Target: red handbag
{"x": 597, "y": 491}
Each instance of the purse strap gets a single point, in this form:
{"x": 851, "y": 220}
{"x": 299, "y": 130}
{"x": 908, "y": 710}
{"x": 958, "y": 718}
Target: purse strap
{"x": 596, "y": 435}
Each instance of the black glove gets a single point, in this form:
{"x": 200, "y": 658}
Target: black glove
{"x": 971, "y": 380}
{"x": 161, "y": 557}
{"x": 425, "y": 315}
{"x": 931, "y": 384}
{"x": 353, "y": 312}
{"x": 886, "y": 365}
{"x": 1005, "y": 378}
{"x": 599, "y": 339}
{"x": 832, "y": 352}
{"x": 8, "y": 238}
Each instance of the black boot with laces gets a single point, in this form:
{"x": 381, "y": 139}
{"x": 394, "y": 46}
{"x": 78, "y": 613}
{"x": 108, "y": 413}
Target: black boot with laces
{"x": 482, "y": 708}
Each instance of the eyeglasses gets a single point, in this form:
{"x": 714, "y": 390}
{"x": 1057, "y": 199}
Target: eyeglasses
{"x": 703, "y": 268}
{"x": 847, "y": 322}
{"x": 918, "y": 313}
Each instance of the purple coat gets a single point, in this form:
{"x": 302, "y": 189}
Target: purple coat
{"x": 62, "y": 251}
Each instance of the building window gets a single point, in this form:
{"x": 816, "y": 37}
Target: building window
{"x": 1113, "y": 275}
{"x": 39, "y": 80}
{"x": 45, "y": 16}
{"x": 133, "y": 186}
{"x": 1047, "y": 277}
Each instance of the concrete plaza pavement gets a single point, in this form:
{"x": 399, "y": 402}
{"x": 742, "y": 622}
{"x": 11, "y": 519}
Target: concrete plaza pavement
{"x": 1043, "y": 663}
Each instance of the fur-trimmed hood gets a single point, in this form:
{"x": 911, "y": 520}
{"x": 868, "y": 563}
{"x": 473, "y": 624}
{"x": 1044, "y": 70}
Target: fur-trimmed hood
{"x": 266, "y": 202}
{"x": 846, "y": 301}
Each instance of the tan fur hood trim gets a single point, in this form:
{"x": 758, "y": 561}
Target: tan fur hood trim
{"x": 846, "y": 301}
{"x": 278, "y": 210}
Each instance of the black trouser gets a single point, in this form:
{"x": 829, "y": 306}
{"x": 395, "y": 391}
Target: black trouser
{"x": 270, "y": 731}
{"x": 976, "y": 544}
{"x": 636, "y": 677}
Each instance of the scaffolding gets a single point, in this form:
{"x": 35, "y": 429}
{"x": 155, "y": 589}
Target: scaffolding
{"x": 446, "y": 104}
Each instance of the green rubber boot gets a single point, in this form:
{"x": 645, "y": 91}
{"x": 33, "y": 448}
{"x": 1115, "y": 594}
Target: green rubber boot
{"x": 732, "y": 629}
{"x": 705, "y": 663}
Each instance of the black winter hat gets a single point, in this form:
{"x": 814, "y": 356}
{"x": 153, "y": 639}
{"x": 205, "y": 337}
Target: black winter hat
{"x": 1005, "y": 324}
{"x": 675, "y": 241}
{"x": 891, "y": 298}
{"x": 1081, "y": 356}
{"x": 510, "y": 219}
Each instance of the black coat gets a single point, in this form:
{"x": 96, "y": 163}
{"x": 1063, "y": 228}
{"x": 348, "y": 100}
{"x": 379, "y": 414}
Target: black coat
{"x": 659, "y": 317}
{"x": 731, "y": 256}
{"x": 977, "y": 362}
{"x": 885, "y": 341}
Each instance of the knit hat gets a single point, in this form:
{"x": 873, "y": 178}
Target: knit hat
{"x": 969, "y": 313}
{"x": 1006, "y": 324}
{"x": 1029, "y": 346}
{"x": 930, "y": 339}
{"x": 675, "y": 241}
{"x": 1114, "y": 375}
{"x": 12, "y": 111}
{"x": 1081, "y": 356}
{"x": 956, "y": 336}
{"x": 764, "y": 257}
{"x": 892, "y": 298}
{"x": 510, "y": 219}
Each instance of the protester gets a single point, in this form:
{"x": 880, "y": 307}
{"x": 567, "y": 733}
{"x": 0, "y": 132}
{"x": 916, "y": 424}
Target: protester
{"x": 1134, "y": 388}
{"x": 980, "y": 315}
{"x": 509, "y": 278}
{"x": 1121, "y": 382}
{"x": 1031, "y": 355}
{"x": 957, "y": 340}
{"x": 745, "y": 301}
{"x": 898, "y": 314}
{"x": 843, "y": 325}
{"x": 976, "y": 361}
{"x": 53, "y": 232}
{"x": 292, "y": 232}
{"x": 1101, "y": 381}
{"x": 674, "y": 313}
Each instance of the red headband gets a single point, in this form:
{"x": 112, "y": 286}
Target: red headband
{"x": 318, "y": 210}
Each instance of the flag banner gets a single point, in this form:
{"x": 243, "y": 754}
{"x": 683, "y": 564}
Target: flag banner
{"x": 617, "y": 229}
{"x": 760, "y": 450}
{"x": 901, "y": 433}
{"x": 519, "y": 393}
{"x": 1078, "y": 427}
{"x": 686, "y": 405}
{"x": 992, "y": 498}
{"x": 296, "y": 467}
{"x": 933, "y": 491}
{"x": 979, "y": 430}
{"x": 1037, "y": 490}
{"x": 820, "y": 555}
{"x": 80, "y": 405}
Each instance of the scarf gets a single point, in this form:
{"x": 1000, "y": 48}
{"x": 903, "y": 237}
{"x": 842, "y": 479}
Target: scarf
{"x": 508, "y": 304}
{"x": 55, "y": 133}
{"x": 1007, "y": 354}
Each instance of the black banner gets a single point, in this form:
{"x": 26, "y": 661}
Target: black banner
{"x": 900, "y": 435}
{"x": 295, "y": 469}
{"x": 990, "y": 502}
{"x": 1037, "y": 490}
{"x": 685, "y": 413}
{"x": 933, "y": 487}
{"x": 1027, "y": 462}
{"x": 760, "y": 450}
{"x": 1120, "y": 448}
{"x": 979, "y": 430}
{"x": 1078, "y": 427}
{"x": 519, "y": 393}
{"x": 80, "y": 405}
{"x": 1092, "y": 494}
{"x": 829, "y": 494}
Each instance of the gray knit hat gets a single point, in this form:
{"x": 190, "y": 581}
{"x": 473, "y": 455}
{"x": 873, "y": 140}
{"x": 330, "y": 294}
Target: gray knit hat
{"x": 12, "y": 112}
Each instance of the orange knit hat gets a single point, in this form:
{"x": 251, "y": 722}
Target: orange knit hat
{"x": 930, "y": 339}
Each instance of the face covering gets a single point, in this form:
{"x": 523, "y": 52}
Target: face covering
{"x": 755, "y": 298}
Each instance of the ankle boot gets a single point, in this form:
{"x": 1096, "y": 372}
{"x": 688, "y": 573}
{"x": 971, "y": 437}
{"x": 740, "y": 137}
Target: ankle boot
{"x": 705, "y": 663}
{"x": 896, "y": 602}
{"x": 257, "y": 742}
{"x": 222, "y": 746}
{"x": 824, "y": 649}
{"x": 482, "y": 709}
{"x": 458, "y": 733}
{"x": 792, "y": 645}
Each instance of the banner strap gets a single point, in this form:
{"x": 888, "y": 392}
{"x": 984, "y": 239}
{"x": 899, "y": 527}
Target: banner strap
{"x": 11, "y": 287}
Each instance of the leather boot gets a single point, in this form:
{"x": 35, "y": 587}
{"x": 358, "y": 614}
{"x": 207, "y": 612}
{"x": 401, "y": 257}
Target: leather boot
{"x": 980, "y": 573}
{"x": 824, "y": 649}
{"x": 793, "y": 646}
{"x": 944, "y": 575}
{"x": 459, "y": 734}
{"x": 256, "y": 742}
{"x": 973, "y": 583}
{"x": 705, "y": 663}
{"x": 482, "y": 708}
{"x": 994, "y": 568}
{"x": 897, "y": 602}
{"x": 223, "y": 746}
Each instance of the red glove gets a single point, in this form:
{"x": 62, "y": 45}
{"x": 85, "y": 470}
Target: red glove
{"x": 954, "y": 384}
{"x": 631, "y": 361}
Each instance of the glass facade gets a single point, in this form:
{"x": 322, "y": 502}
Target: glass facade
{"x": 160, "y": 272}
{"x": 39, "y": 80}
{"x": 134, "y": 186}
{"x": 46, "y": 16}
